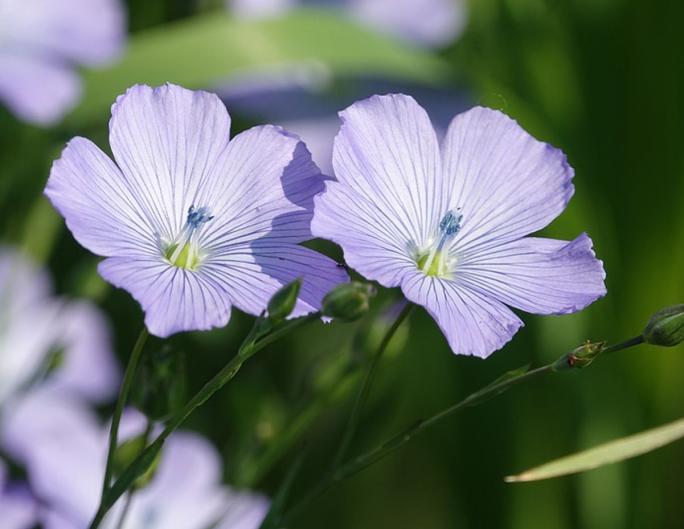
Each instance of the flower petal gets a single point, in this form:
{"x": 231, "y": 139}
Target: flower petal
{"x": 83, "y": 31}
{"x": 387, "y": 151}
{"x": 97, "y": 202}
{"x": 542, "y": 276}
{"x": 174, "y": 299}
{"x": 37, "y": 90}
{"x": 507, "y": 183}
{"x": 389, "y": 197}
{"x": 167, "y": 142}
{"x": 371, "y": 242}
{"x": 89, "y": 367}
{"x": 266, "y": 187}
{"x": 472, "y": 322}
{"x": 252, "y": 275}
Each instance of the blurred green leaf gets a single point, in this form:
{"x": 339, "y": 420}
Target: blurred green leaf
{"x": 200, "y": 52}
{"x": 611, "y": 452}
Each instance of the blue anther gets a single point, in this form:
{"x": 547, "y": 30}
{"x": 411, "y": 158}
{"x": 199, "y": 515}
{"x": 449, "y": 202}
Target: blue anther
{"x": 199, "y": 216}
{"x": 450, "y": 225}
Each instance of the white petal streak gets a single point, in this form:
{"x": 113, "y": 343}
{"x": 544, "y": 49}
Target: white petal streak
{"x": 387, "y": 151}
{"x": 542, "y": 276}
{"x": 473, "y": 322}
{"x": 167, "y": 142}
{"x": 507, "y": 183}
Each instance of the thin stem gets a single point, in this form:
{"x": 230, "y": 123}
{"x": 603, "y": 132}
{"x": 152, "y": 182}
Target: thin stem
{"x": 624, "y": 345}
{"x": 363, "y": 461}
{"x": 490, "y": 391}
{"x": 129, "y": 375}
{"x": 129, "y": 497}
{"x": 248, "y": 348}
{"x": 364, "y": 390}
{"x": 124, "y": 512}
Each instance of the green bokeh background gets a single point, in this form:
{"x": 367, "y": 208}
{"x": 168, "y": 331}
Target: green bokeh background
{"x": 603, "y": 80}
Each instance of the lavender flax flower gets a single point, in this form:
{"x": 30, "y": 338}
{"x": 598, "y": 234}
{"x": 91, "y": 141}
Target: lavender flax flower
{"x": 69, "y": 351}
{"x": 63, "y": 447}
{"x": 449, "y": 225}
{"x": 190, "y": 222}
{"x": 41, "y": 44}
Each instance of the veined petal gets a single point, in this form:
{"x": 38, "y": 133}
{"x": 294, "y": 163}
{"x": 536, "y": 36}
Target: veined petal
{"x": 542, "y": 276}
{"x": 174, "y": 299}
{"x": 252, "y": 275}
{"x": 98, "y": 204}
{"x": 387, "y": 152}
{"x": 167, "y": 142}
{"x": 472, "y": 322}
{"x": 37, "y": 90}
{"x": 507, "y": 183}
{"x": 244, "y": 511}
{"x": 372, "y": 243}
{"x": 266, "y": 186}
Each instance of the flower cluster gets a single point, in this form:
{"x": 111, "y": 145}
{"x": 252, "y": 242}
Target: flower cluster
{"x": 193, "y": 224}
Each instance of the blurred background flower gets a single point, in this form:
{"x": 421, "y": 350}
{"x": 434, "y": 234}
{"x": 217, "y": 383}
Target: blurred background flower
{"x": 42, "y": 42}
{"x": 63, "y": 448}
{"x": 48, "y": 341}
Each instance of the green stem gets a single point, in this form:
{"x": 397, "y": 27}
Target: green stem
{"x": 129, "y": 375}
{"x": 129, "y": 497}
{"x": 364, "y": 390}
{"x": 357, "y": 464}
{"x": 248, "y": 348}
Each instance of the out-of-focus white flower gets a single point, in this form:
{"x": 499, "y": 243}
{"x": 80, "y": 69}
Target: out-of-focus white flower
{"x": 44, "y": 339}
{"x": 64, "y": 447}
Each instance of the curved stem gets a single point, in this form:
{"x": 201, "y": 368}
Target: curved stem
{"x": 492, "y": 390}
{"x": 129, "y": 375}
{"x": 364, "y": 390}
{"x": 249, "y": 347}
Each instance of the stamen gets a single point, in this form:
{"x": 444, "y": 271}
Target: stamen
{"x": 183, "y": 252}
{"x": 449, "y": 226}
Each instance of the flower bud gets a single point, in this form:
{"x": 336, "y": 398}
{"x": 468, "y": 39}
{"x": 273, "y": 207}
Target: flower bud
{"x": 283, "y": 302}
{"x": 126, "y": 453}
{"x": 348, "y": 302}
{"x": 160, "y": 385}
{"x": 580, "y": 357}
{"x": 666, "y": 327}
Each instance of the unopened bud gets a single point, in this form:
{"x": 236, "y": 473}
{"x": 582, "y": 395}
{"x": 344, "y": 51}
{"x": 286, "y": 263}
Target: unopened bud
{"x": 580, "y": 357}
{"x": 348, "y": 302}
{"x": 127, "y": 452}
{"x": 160, "y": 383}
{"x": 666, "y": 327}
{"x": 283, "y": 302}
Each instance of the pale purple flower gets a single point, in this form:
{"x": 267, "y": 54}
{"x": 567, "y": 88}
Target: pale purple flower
{"x": 425, "y": 22}
{"x": 63, "y": 448}
{"x": 47, "y": 340}
{"x": 190, "y": 222}
{"x": 17, "y": 507}
{"x": 449, "y": 224}
{"x": 41, "y": 44}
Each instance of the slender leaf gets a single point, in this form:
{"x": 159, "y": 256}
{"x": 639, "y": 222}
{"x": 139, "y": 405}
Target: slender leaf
{"x": 611, "y": 452}
{"x": 201, "y": 51}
